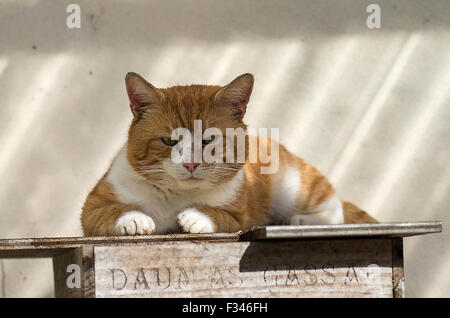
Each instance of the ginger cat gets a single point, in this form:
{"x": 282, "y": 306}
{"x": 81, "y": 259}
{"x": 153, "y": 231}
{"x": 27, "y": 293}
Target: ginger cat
{"x": 145, "y": 191}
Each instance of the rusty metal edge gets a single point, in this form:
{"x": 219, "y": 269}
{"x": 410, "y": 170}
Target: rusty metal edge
{"x": 394, "y": 229}
{"x": 70, "y": 242}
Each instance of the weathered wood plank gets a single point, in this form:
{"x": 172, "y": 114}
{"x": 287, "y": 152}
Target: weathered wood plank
{"x": 83, "y": 258}
{"x": 398, "y": 275}
{"x": 88, "y": 271}
{"x": 97, "y": 240}
{"x": 50, "y": 247}
{"x": 344, "y": 260}
{"x": 40, "y": 252}
{"x": 343, "y": 230}
{"x": 290, "y": 268}
{"x": 60, "y": 275}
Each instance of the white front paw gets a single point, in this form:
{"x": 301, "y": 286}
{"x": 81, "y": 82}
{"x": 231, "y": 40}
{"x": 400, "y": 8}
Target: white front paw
{"x": 195, "y": 221}
{"x": 134, "y": 223}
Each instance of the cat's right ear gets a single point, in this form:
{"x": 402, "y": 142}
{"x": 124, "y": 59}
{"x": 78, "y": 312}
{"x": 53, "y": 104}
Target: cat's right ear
{"x": 141, "y": 93}
{"x": 236, "y": 95}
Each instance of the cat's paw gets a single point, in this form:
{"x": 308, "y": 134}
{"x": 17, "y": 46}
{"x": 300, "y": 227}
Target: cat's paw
{"x": 195, "y": 221}
{"x": 134, "y": 223}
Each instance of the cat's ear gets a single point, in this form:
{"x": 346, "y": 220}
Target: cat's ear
{"x": 141, "y": 93}
{"x": 236, "y": 95}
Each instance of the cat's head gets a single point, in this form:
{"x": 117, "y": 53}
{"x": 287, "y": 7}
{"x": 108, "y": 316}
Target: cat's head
{"x": 195, "y": 109}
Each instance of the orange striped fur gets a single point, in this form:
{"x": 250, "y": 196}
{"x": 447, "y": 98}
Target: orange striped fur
{"x": 145, "y": 192}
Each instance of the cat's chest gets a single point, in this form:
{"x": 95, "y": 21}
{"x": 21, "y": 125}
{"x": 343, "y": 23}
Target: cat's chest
{"x": 147, "y": 197}
{"x": 157, "y": 202}
{"x": 161, "y": 204}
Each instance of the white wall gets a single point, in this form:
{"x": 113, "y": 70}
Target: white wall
{"x": 369, "y": 107}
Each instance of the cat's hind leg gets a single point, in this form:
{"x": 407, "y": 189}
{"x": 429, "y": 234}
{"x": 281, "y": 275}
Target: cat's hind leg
{"x": 302, "y": 195}
{"x": 328, "y": 212}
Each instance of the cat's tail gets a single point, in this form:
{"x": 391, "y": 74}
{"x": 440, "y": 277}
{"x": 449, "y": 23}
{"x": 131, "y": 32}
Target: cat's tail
{"x": 353, "y": 214}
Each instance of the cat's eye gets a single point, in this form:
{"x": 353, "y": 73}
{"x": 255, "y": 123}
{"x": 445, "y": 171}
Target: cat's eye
{"x": 207, "y": 141}
{"x": 168, "y": 141}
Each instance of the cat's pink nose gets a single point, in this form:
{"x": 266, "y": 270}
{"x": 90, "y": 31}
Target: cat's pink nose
{"x": 190, "y": 166}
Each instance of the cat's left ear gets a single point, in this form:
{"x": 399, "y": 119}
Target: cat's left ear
{"x": 141, "y": 93}
{"x": 236, "y": 95}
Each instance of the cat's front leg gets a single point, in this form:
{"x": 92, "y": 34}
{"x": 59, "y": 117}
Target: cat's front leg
{"x": 103, "y": 215}
{"x": 206, "y": 219}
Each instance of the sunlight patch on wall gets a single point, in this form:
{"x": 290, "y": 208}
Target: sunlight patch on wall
{"x": 29, "y": 105}
{"x": 357, "y": 101}
{"x": 333, "y": 69}
{"x": 3, "y": 65}
{"x": 220, "y": 73}
{"x": 374, "y": 108}
{"x": 410, "y": 142}
{"x": 163, "y": 68}
{"x": 282, "y": 61}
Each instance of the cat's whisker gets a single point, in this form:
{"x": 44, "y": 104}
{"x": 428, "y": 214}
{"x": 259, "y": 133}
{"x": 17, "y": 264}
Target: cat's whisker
{"x": 149, "y": 171}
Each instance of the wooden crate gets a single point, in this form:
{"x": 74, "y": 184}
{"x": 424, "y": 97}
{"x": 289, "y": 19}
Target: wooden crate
{"x": 346, "y": 260}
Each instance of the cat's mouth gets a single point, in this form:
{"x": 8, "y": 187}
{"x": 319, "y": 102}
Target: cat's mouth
{"x": 192, "y": 179}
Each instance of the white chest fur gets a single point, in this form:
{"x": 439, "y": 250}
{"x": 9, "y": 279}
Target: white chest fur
{"x": 163, "y": 207}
